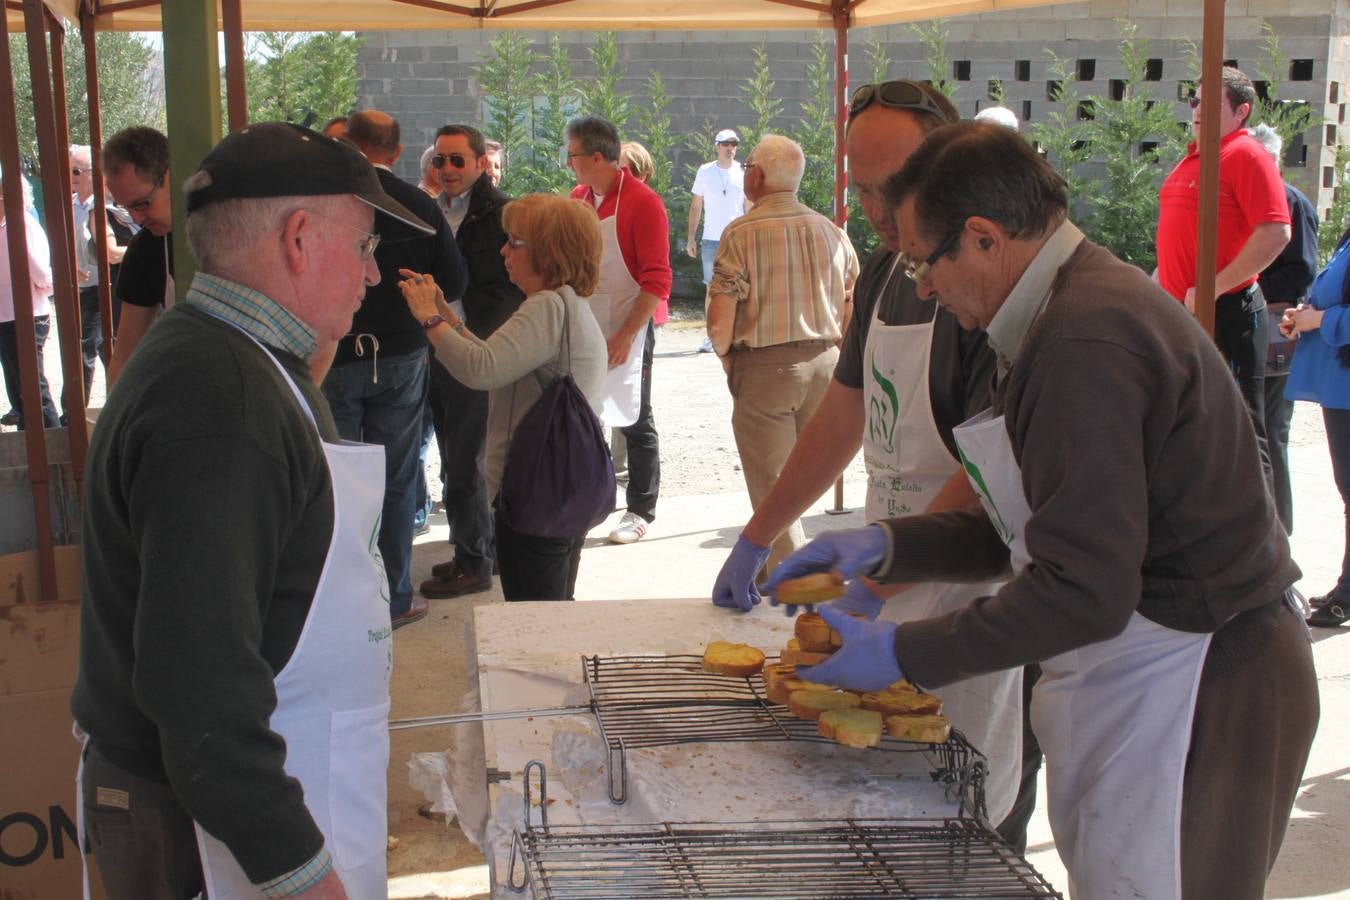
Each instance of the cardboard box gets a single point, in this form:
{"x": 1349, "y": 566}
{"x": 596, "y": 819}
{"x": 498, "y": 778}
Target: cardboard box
{"x": 39, "y": 658}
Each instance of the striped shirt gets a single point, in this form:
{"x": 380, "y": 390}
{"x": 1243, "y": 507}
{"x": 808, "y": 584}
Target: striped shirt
{"x": 790, "y": 271}
{"x": 256, "y": 314}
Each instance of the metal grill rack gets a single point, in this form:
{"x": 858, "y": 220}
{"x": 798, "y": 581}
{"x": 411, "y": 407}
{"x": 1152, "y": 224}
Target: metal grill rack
{"x": 853, "y": 858}
{"x": 656, "y": 701}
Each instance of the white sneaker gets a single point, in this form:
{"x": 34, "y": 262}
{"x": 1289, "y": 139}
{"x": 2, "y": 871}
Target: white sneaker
{"x": 706, "y": 346}
{"x": 630, "y": 529}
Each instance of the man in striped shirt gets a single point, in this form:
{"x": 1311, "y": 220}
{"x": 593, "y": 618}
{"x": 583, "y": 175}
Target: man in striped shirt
{"x": 780, "y": 294}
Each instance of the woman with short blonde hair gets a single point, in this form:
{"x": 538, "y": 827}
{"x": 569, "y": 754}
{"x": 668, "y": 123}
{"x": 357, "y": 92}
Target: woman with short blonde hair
{"x": 552, "y": 253}
{"x": 638, "y": 160}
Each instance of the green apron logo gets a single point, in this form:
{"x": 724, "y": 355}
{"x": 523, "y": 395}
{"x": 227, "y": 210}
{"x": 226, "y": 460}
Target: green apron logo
{"x": 883, "y": 410}
{"x": 976, "y": 478}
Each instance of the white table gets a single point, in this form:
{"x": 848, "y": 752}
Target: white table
{"x": 529, "y": 657}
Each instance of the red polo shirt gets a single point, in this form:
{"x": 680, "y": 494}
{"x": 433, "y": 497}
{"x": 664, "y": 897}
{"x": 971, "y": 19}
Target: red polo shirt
{"x": 644, "y": 235}
{"x": 1251, "y": 193}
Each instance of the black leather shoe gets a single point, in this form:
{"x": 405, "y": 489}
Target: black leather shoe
{"x": 1333, "y": 615}
{"x": 456, "y": 584}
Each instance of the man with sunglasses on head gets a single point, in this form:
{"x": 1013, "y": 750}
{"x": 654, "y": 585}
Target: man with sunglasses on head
{"x": 136, "y": 173}
{"x": 1253, "y": 229}
{"x": 472, "y": 205}
{"x": 907, "y": 376}
{"x": 377, "y": 386}
{"x": 86, "y": 259}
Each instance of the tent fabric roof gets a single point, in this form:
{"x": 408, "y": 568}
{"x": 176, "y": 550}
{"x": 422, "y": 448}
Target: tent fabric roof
{"x": 559, "y": 15}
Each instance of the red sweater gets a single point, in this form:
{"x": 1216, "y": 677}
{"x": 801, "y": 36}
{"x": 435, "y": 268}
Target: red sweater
{"x": 644, "y": 235}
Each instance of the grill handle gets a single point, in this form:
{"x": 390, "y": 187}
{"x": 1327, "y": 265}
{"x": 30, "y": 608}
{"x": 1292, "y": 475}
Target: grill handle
{"x": 470, "y": 718}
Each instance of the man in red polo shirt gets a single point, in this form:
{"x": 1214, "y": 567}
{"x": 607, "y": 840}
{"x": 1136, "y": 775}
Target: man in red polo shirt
{"x": 634, "y": 280}
{"x": 1253, "y": 229}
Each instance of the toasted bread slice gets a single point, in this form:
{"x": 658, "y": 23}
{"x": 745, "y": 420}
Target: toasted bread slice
{"x": 901, "y": 685}
{"x": 919, "y": 729}
{"x": 902, "y": 703}
{"x": 811, "y": 628}
{"x": 795, "y": 655}
{"x": 779, "y": 691}
{"x": 815, "y": 588}
{"x": 726, "y": 658}
{"x": 859, "y": 728}
{"x": 776, "y": 672}
{"x": 810, "y": 704}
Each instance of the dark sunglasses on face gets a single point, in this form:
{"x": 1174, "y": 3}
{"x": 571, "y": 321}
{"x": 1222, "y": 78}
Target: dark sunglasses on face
{"x": 78, "y": 172}
{"x": 458, "y": 160}
{"x": 728, "y": 143}
{"x": 896, "y": 95}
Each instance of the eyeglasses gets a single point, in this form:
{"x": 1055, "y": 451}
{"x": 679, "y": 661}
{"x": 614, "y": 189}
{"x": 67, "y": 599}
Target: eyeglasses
{"x": 918, "y": 271}
{"x": 369, "y": 240}
{"x": 78, "y": 172}
{"x": 143, "y": 204}
{"x": 728, "y": 143}
{"x": 900, "y": 94}
{"x": 458, "y": 160}
{"x": 748, "y": 166}
{"x": 515, "y": 243}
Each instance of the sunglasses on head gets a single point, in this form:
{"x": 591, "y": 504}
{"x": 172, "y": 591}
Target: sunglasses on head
{"x": 458, "y": 160}
{"x": 900, "y": 94}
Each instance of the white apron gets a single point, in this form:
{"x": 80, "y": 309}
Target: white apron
{"x": 170, "y": 294}
{"x": 907, "y": 464}
{"x": 333, "y": 693}
{"x": 1114, "y": 718}
{"x": 611, "y": 302}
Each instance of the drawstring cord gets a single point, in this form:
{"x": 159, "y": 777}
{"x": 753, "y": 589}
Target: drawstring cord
{"x": 374, "y": 354}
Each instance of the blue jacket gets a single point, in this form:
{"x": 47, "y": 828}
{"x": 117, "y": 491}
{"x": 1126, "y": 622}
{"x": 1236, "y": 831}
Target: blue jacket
{"x": 1317, "y": 373}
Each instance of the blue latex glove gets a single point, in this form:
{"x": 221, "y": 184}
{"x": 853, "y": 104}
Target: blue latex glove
{"x": 860, "y": 599}
{"x": 853, "y": 551}
{"x": 866, "y": 661}
{"x": 735, "y": 585}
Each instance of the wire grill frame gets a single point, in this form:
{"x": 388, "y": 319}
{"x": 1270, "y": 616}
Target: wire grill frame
{"x": 854, "y": 858}
{"x": 657, "y": 701}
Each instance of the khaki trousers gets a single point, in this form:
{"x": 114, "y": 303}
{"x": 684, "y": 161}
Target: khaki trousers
{"x": 774, "y": 391}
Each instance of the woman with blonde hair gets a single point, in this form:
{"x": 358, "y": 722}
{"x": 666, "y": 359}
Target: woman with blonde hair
{"x": 634, "y": 157}
{"x": 552, "y": 253}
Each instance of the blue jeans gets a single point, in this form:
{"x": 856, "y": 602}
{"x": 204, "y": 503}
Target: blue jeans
{"x": 708, "y": 252}
{"x": 9, "y": 363}
{"x": 381, "y": 403}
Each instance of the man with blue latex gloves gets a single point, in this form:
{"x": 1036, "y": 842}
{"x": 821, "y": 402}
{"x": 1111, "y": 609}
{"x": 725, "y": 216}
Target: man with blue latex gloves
{"x": 1154, "y": 587}
{"x": 907, "y": 375}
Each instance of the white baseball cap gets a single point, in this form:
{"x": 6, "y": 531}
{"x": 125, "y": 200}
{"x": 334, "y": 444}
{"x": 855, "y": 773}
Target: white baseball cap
{"x": 726, "y": 134}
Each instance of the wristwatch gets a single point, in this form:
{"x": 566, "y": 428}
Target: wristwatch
{"x": 432, "y": 322}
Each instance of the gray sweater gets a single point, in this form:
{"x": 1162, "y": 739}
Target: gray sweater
{"x": 1140, "y": 467}
{"x": 520, "y": 359}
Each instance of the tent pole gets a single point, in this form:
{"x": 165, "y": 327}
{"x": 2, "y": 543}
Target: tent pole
{"x": 192, "y": 89}
{"x": 1207, "y": 240}
{"x": 73, "y": 399}
{"x": 99, "y": 218}
{"x": 236, "y": 93}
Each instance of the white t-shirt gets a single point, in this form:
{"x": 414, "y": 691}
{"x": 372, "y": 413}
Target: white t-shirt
{"x": 723, "y": 193}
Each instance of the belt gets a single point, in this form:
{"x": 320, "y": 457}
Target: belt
{"x": 1243, "y": 292}
{"x": 802, "y": 344}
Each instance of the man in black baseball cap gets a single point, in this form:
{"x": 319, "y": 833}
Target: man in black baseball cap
{"x": 236, "y": 641}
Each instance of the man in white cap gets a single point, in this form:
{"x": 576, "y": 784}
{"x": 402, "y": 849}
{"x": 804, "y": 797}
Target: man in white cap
{"x": 719, "y": 187}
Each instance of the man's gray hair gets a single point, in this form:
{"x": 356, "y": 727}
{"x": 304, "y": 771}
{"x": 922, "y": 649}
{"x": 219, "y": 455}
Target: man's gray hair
{"x": 83, "y": 151}
{"x": 595, "y": 135}
{"x": 224, "y": 235}
{"x": 1270, "y": 140}
{"x": 781, "y": 161}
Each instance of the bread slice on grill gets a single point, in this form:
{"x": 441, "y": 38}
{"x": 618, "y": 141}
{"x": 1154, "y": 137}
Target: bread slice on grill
{"x": 726, "y": 658}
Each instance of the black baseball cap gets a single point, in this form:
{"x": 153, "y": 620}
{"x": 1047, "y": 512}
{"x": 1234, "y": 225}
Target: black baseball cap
{"x": 277, "y": 159}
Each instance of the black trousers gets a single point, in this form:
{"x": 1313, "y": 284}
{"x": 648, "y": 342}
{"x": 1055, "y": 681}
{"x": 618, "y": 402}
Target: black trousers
{"x": 459, "y": 415}
{"x": 1337, "y": 423}
{"x": 91, "y": 334}
{"x": 1279, "y": 415}
{"x": 644, "y": 451}
{"x": 142, "y": 838}
{"x": 1242, "y": 333}
{"x": 9, "y": 365}
{"x": 536, "y": 568}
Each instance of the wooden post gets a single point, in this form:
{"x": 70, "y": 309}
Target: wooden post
{"x": 236, "y": 92}
{"x": 99, "y": 224}
{"x": 1207, "y": 238}
{"x": 841, "y": 20}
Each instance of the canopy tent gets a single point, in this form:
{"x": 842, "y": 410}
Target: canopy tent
{"x": 562, "y": 15}
{"x": 192, "y": 78}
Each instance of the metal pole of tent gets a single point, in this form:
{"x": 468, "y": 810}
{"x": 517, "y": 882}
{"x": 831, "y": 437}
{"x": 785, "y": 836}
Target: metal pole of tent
{"x": 1206, "y": 248}
{"x": 100, "y": 216}
{"x": 39, "y": 473}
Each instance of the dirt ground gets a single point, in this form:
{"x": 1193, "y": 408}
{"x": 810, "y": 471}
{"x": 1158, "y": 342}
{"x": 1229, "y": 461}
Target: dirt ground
{"x": 434, "y": 860}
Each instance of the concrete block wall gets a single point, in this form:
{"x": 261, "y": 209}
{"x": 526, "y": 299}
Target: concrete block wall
{"x": 427, "y": 79}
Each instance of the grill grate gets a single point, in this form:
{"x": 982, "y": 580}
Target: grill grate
{"x": 855, "y": 858}
{"x": 656, "y": 701}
